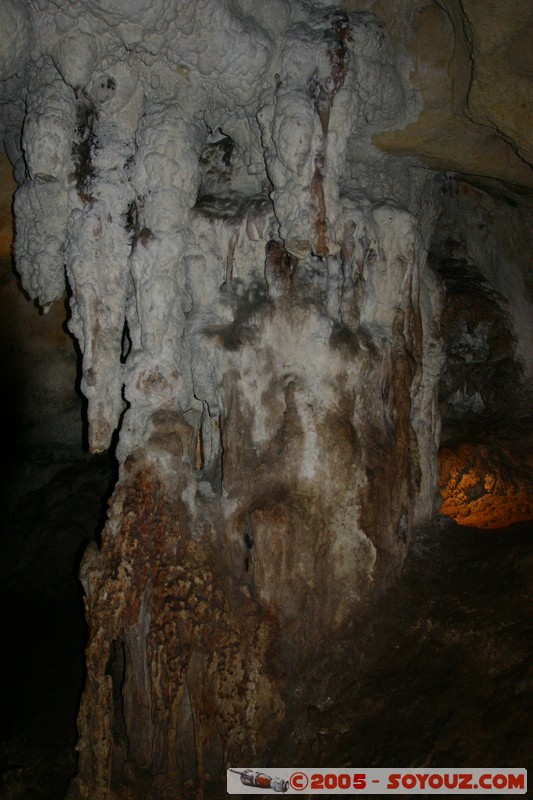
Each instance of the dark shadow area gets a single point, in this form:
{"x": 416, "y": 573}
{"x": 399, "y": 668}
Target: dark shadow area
{"x": 79, "y": 370}
{"x": 443, "y": 667}
{"x": 42, "y": 627}
{"x": 53, "y": 502}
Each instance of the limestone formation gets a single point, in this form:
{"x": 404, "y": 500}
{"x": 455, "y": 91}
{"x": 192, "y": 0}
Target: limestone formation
{"x": 258, "y": 322}
{"x": 472, "y": 66}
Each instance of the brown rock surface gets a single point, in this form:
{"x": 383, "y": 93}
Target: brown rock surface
{"x": 7, "y": 189}
{"x": 501, "y": 91}
{"x": 472, "y": 64}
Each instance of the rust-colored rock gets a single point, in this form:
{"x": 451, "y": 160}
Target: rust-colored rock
{"x": 486, "y": 488}
{"x": 179, "y": 681}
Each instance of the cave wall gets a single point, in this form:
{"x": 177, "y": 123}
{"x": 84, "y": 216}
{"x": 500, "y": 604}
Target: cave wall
{"x": 231, "y": 200}
{"x": 482, "y": 251}
{"x": 470, "y": 63}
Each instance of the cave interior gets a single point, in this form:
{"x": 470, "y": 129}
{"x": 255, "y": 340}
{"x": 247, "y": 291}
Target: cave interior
{"x": 266, "y": 304}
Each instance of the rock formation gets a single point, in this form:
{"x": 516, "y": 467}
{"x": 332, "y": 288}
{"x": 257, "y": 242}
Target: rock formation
{"x": 258, "y": 322}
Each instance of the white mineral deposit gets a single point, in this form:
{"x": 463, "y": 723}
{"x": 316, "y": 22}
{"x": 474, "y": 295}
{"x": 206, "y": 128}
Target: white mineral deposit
{"x": 215, "y": 187}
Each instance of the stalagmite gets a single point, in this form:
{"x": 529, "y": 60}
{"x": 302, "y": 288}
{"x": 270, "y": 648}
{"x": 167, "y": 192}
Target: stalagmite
{"x": 249, "y": 289}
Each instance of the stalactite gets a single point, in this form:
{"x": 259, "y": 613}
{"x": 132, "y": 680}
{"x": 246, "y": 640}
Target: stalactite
{"x": 266, "y": 404}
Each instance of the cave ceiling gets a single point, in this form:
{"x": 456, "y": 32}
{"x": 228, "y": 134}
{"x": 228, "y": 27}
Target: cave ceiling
{"x": 471, "y": 64}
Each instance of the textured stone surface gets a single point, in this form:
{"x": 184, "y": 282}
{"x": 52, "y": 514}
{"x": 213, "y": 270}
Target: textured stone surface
{"x": 259, "y": 333}
{"x": 485, "y": 487}
{"x": 500, "y": 38}
{"x": 471, "y": 64}
{"x": 248, "y": 317}
{"x": 449, "y": 643}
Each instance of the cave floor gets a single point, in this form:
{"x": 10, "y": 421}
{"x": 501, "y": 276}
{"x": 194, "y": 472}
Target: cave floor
{"x": 442, "y": 675}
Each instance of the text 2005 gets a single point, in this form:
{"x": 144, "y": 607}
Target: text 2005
{"x": 342, "y": 781}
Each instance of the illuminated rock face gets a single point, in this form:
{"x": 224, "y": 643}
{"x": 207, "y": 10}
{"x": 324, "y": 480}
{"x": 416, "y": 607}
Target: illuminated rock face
{"x": 249, "y": 291}
{"x": 486, "y": 488}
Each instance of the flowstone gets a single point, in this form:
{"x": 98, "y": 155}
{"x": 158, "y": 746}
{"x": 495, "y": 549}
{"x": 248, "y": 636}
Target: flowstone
{"x": 257, "y": 329}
